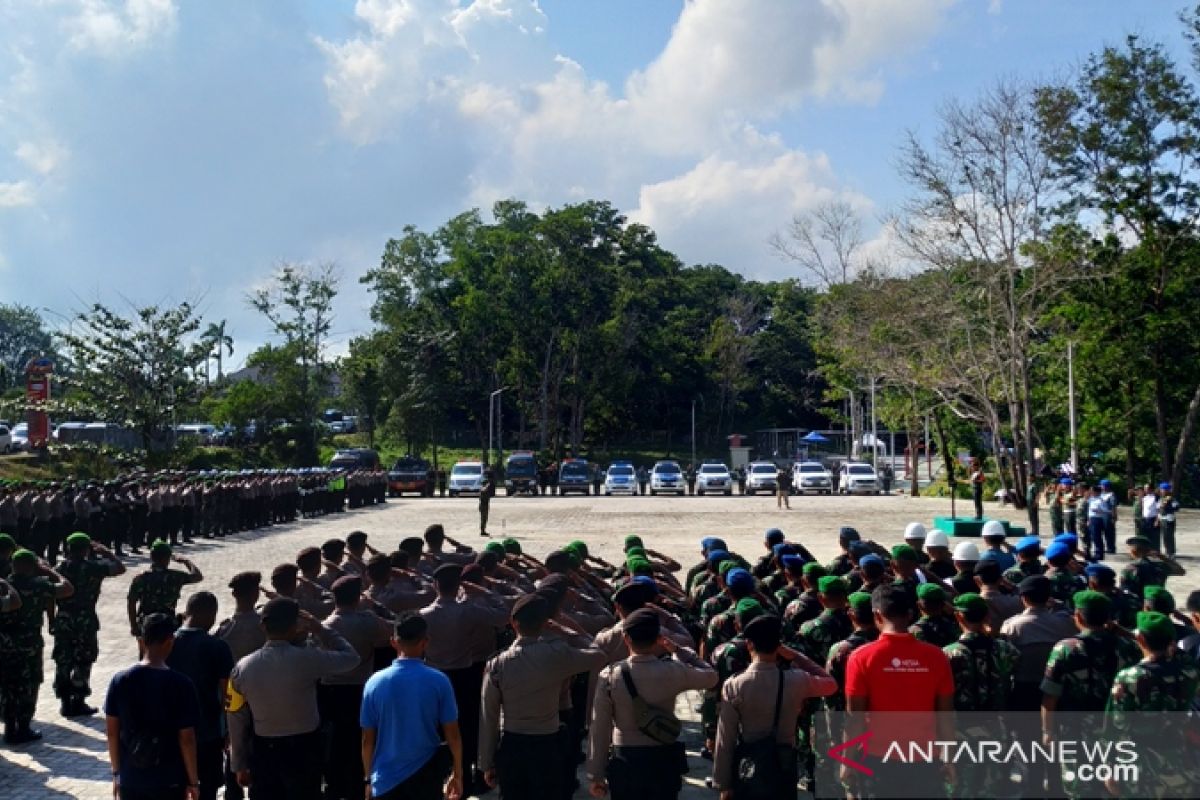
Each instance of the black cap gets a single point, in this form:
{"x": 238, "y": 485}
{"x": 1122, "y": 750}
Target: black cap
{"x": 642, "y": 625}
{"x": 281, "y": 610}
{"x": 355, "y": 536}
{"x": 347, "y": 581}
{"x": 245, "y": 581}
{"x": 532, "y": 609}
{"x": 558, "y": 561}
{"x": 632, "y": 594}
{"x": 289, "y": 570}
{"x": 763, "y": 632}
{"x": 554, "y": 584}
{"x": 1034, "y": 584}
{"x": 445, "y": 571}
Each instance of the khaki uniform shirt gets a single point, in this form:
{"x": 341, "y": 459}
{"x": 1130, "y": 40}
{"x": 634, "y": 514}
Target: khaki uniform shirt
{"x": 456, "y": 628}
{"x": 659, "y": 681}
{"x": 366, "y": 632}
{"x": 522, "y": 684}
{"x": 748, "y": 706}
{"x": 1035, "y": 631}
{"x": 243, "y": 633}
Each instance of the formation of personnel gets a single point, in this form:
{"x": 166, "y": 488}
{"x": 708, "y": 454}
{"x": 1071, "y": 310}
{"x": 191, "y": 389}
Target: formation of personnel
{"x": 571, "y": 659}
{"x": 135, "y": 509}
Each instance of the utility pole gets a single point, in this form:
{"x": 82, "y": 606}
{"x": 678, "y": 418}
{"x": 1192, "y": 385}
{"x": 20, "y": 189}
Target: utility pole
{"x": 491, "y": 425}
{"x": 874, "y": 432}
{"x": 1071, "y": 406}
{"x": 693, "y": 433}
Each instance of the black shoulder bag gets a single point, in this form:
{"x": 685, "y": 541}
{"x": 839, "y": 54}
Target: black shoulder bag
{"x": 661, "y": 726}
{"x": 764, "y": 766}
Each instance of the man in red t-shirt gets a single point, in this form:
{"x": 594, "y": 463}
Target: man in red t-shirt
{"x": 901, "y": 691}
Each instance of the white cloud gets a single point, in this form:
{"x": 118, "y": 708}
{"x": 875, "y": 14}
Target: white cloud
{"x": 42, "y": 157}
{"x": 111, "y": 28}
{"x": 15, "y": 194}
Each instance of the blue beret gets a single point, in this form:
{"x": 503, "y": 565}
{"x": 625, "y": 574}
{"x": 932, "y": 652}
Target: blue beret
{"x": 781, "y": 549}
{"x": 739, "y": 579}
{"x": 1166, "y": 487}
{"x": 870, "y": 559}
{"x": 1069, "y": 539}
{"x": 1057, "y": 549}
{"x": 647, "y": 581}
{"x": 860, "y": 549}
{"x": 774, "y": 535}
{"x": 1065, "y": 482}
{"x": 793, "y": 562}
{"x": 717, "y": 556}
{"x": 1028, "y": 543}
{"x": 1099, "y": 571}
{"x": 989, "y": 555}
{"x": 1106, "y": 483}
{"x": 707, "y": 543}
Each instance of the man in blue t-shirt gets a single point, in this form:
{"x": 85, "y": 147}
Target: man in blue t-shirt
{"x": 402, "y": 709}
{"x": 152, "y": 713}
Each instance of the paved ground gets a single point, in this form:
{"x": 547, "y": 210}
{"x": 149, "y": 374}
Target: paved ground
{"x": 71, "y": 762}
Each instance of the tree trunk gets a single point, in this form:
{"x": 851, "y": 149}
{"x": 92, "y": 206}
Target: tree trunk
{"x": 951, "y": 480}
{"x": 915, "y": 487}
{"x": 1160, "y": 419}
{"x": 1185, "y": 442}
{"x": 1130, "y": 437}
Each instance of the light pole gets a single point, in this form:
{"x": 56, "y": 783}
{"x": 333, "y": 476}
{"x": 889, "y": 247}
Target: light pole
{"x": 693, "y": 433}
{"x": 1071, "y": 405}
{"x": 491, "y": 425}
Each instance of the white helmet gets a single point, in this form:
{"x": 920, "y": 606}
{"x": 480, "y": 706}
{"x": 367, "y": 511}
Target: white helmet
{"x": 936, "y": 539}
{"x": 966, "y": 551}
{"x": 993, "y": 528}
{"x": 913, "y": 531}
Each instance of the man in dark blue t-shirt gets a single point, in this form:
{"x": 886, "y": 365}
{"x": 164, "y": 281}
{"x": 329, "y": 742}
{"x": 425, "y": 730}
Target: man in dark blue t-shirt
{"x": 207, "y": 662}
{"x": 151, "y": 717}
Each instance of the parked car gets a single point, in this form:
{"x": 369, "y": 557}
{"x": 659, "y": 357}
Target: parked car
{"x": 410, "y": 474}
{"x": 574, "y": 475}
{"x": 714, "y": 478}
{"x": 667, "y": 477}
{"x": 621, "y": 477}
{"x": 355, "y": 458}
{"x": 20, "y": 436}
{"x": 520, "y": 473}
{"x": 811, "y": 476}
{"x": 6, "y": 439}
{"x": 466, "y": 477}
{"x": 857, "y": 478}
{"x": 203, "y": 432}
{"x": 760, "y": 477}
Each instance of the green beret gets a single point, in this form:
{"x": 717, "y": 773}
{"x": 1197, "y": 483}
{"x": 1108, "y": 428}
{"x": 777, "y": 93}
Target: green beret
{"x": 159, "y": 546}
{"x": 747, "y": 609}
{"x": 636, "y": 550}
{"x": 833, "y": 585}
{"x": 495, "y": 548}
{"x": 635, "y": 564}
{"x": 578, "y": 547}
{"x": 511, "y": 546}
{"x": 78, "y": 540}
{"x": 904, "y": 552}
{"x": 7, "y": 542}
{"x": 632, "y": 540}
{"x": 814, "y": 570}
{"x": 1159, "y": 599}
{"x": 970, "y": 602}
{"x": 931, "y": 592}
{"x": 860, "y": 601}
{"x": 24, "y": 555}
{"x": 1155, "y": 624}
{"x": 725, "y": 566}
{"x": 1088, "y": 600}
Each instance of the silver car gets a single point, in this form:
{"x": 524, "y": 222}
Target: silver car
{"x": 760, "y": 477}
{"x": 667, "y": 477}
{"x": 857, "y": 478}
{"x": 811, "y": 476}
{"x": 714, "y": 478}
{"x": 466, "y": 478}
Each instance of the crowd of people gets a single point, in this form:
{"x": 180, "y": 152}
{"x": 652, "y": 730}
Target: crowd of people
{"x": 436, "y": 670}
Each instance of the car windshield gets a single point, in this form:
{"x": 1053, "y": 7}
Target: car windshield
{"x": 409, "y": 465}
{"x": 575, "y": 469}
{"x": 622, "y": 471}
{"x": 811, "y": 468}
{"x": 861, "y": 469}
{"x": 467, "y": 469}
{"x": 763, "y": 469}
{"x": 524, "y": 465}
{"x": 670, "y": 469}
{"x": 713, "y": 468}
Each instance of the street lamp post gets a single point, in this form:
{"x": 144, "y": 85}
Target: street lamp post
{"x": 491, "y": 425}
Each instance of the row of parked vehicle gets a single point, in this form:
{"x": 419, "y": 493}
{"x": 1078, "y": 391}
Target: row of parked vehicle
{"x": 523, "y": 475}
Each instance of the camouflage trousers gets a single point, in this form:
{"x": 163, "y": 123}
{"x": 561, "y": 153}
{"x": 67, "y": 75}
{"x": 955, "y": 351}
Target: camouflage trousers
{"x": 709, "y": 709}
{"x": 20, "y": 679}
{"x": 76, "y": 648}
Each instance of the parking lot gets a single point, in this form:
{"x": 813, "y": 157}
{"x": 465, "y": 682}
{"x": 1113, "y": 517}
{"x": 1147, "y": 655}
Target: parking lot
{"x": 71, "y": 761}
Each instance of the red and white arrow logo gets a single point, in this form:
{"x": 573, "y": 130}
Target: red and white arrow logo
{"x": 861, "y": 739}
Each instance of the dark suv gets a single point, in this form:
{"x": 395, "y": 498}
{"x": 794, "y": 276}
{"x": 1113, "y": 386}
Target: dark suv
{"x": 520, "y": 474}
{"x": 355, "y": 458}
{"x": 410, "y": 474}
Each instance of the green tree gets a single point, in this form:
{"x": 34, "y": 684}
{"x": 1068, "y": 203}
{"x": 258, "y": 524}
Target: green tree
{"x": 220, "y": 344}
{"x": 23, "y": 335}
{"x": 299, "y": 306}
{"x": 136, "y": 370}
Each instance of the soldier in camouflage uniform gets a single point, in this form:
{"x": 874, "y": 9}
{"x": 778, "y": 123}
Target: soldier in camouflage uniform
{"x": 1080, "y": 669}
{"x": 1165, "y": 680}
{"x": 833, "y": 625}
{"x": 1029, "y": 563}
{"x": 22, "y": 643}
{"x": 731, "y": 658}
{"x": 807, "y": 606}
{"x": 1064, "y": 584}
{"x": 983, "y": 668}
{"x": 1102, "y": 579}
{"x": 76, "y": 627}
{"x": 793, "y": 568}
{"x": 934, "y": 626}
{"x": 842, "y": 564}
{"x": 865, "y": 632}
{"x": 723, "y": 600}
{"x": 1141, "y": 571}
{"x": 157, "y": 590}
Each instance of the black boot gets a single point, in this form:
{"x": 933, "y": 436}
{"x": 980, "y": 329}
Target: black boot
{"x": 82, "y": 709}
{"x": 27, "y": 733}
{"x": 10, "y": 730}
{"x": 67, "y": 706}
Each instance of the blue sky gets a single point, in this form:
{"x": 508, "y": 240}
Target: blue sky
{"x": 155, "y": 150}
